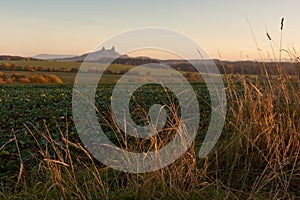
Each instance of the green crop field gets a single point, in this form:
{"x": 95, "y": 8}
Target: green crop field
{"x": 42, "y": 156}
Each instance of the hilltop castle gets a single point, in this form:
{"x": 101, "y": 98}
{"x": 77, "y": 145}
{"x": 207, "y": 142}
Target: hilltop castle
{"x": 111, "y": 50}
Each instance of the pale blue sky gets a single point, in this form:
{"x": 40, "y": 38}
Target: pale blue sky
{"x": 74, "y": 27}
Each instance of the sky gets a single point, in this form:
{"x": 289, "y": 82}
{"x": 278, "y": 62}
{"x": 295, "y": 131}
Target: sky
{"x": 75, "y": 27}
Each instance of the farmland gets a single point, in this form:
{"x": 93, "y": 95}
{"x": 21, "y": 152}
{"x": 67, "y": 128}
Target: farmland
{"x": 150, "y": 100}
{"x": 66, "y": 71}
{"x": 256, "y": 157}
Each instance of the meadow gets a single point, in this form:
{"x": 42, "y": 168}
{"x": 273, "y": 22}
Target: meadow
{"x": 257, "y": 156}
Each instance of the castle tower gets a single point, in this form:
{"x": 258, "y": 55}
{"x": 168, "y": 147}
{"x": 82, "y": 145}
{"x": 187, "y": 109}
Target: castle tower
{"x": 113, "y": 48}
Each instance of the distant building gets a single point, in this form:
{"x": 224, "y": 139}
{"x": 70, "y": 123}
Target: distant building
{"x": 111, "y": 50}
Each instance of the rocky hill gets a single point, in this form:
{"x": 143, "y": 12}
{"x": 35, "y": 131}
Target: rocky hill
{"x": 103, "y": 54}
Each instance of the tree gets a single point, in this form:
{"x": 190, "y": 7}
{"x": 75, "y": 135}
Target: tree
{"x": 74, "y": 70}
{"x": 52, "y": 78}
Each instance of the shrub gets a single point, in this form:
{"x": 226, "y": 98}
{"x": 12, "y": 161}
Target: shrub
{"x": 52, "y": 78}
{"x": 17, "y": 76}
{"x": 194, "y": 77}
{"x": 74, "y": 70}
{"x": 9, "y": 81}
{"x": 5, "y": 65}
{"x": 23, "y": 80}
{"x": 30, "y": 68}
{"x": 13, "y": 66}
{"x": 38, "y": 79}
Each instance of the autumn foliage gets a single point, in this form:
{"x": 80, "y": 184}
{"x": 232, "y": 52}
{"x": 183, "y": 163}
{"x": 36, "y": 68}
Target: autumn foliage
{"x": 19, "y": 78}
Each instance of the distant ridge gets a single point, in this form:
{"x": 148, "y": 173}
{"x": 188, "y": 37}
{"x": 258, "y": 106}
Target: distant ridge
{"x": 103, "y": 54}
{"x": 51, "y": 56}
{"x": 111, "y": 56}
{"x": 20, "y": 58}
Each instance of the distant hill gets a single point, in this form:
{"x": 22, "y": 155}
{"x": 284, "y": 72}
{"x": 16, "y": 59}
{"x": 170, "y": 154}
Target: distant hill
{"x": 96, "y": 56}
{"x": 112, "y": 56}
{"x": 17, "y": 58}
{"x": 51, "y": 56}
